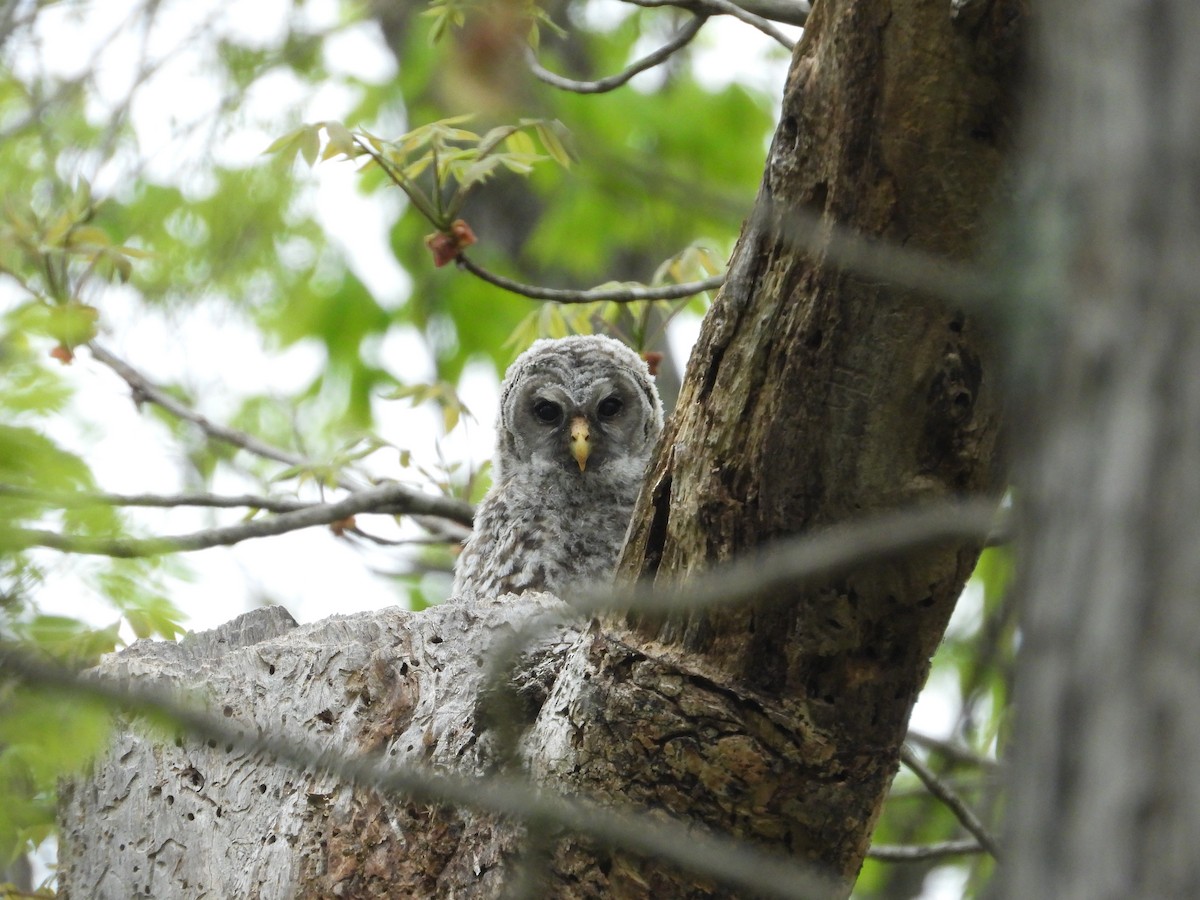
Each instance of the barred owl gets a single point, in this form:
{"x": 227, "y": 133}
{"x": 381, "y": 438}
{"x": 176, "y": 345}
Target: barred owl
{"x": 579, "y": 417}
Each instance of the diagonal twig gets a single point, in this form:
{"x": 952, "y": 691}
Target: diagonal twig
{"x": 145, "y": 390}
{"x": 952, "y": 751}
{"x": 819, "y": 554}
{"x": 950, "y": 798}
{"x": 719, "y": 858}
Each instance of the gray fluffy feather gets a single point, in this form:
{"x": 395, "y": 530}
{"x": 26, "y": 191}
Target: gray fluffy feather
{"x": 545, "y": 525}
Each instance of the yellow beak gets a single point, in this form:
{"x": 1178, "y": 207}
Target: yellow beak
{"x": 580, "y": 448}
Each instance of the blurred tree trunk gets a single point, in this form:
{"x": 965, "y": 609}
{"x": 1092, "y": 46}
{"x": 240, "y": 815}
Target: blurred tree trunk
{"x": 815, "y": 396}
{"x": 1105, "y": 800}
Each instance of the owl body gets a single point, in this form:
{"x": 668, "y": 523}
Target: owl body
{"x": 579, "y": 418}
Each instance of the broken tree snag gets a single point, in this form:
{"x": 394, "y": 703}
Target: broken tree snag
{"x": 816, "y": 395}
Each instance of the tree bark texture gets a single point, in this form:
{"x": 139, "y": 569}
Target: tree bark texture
{"x": 1105, "y": 799}
{"x": 196, "y": 818}
{"x": 814, "y": 396}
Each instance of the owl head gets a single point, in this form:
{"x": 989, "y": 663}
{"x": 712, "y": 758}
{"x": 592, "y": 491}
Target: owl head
{"x": 585, "y": 405}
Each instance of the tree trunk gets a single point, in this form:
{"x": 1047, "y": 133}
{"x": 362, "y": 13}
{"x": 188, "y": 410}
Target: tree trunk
{"x": 1105, "y": 797}
{"x": 817, "y": 397}
{"x": 814, "y": 396}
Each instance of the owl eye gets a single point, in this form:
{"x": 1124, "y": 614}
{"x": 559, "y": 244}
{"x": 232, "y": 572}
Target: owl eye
{"x": 547, "y": 411}
{"x": 609, "y": 407}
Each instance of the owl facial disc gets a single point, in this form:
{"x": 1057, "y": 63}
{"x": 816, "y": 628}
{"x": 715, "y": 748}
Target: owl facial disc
{"x": 580, "y": 437}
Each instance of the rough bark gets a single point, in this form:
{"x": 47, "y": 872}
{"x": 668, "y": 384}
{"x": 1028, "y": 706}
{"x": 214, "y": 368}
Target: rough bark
{"x": 814, "y": 396}
{"x": 194, "y": 818}
{"x": 1105, "y": 794}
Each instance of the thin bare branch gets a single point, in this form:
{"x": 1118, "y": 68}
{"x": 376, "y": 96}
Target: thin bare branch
{"x": 597, "y": 295}
{"x": 144, "y": 390}
{"x": 391, "y": 499}
{"x": 76, "y": 499}
{"x": 809, "y": 229}
{"x": 676, "y": 842}
{"x": 789, "y": 12}
{"x": 922, "y": 852}
{"x": 725, "y": 8}
{"x": 953, "y": 752}
{"x": 820, "y": 554}
{"x": 407, "y": 501}
{"x": 950, "y": 798}
{"x": 603, "y": 85}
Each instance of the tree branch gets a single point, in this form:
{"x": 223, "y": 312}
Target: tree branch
{"x": 603, "y": 85}
{"x": 950, "y": 798}
{"x": 921, "y": 852}
{"x": 952, "y": 751}
{"x": 597, "y": 295}
{"x": 789, "y": 12}
{"x": 820, "y": 554}
{"x": 145, "y": 390}
{"x": 726, "y": 8}
{"x": 681, "y": 844}
{"x": 73, "y": 500}
{"x": 390, "y": 499}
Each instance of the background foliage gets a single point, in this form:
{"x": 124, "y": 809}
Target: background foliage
{"x": 303, "y": 306}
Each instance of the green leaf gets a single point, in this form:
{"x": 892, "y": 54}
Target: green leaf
{"x": 341, "y": 141}
{"x": 310, "y": 145}
{"x": 553, "y": 137}
{"x": 521, "y": 144}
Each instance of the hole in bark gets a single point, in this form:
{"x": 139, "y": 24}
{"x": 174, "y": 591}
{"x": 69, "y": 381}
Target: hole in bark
{"x": 270, "y": 670}
{"x": 956, "y": 325}
{"x": 436, "y": 639}
{"x": 325, "y": 716}
{"x": 926, "y": 602}
{"x": 122, "y": 847}
{"x": 262, "y": 788}
{"x": 191, "y": 817}
{"x": 403, "y": 668}
{"x": 820, "y": 196}
{"x": 271, "y": 839}
{"x": 788, "y": 131}
{"x": 984, "y": 134}
{"x": 962, "y": 400}
{"x": 179, "y": 740}
{"x": 212, "y": 745}
{"x": 605, "y": 866}
{"x": 228, "y": 711}
{"x": 229, "y": 748}
{"x": 219, "y": 811}
{"x": 814, "y": 340}
{"x": 170, "y": 799}
{"x": 137, "y": 868}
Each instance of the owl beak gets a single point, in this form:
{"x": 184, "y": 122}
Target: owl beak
{"x": 580, "y": 437}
